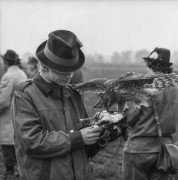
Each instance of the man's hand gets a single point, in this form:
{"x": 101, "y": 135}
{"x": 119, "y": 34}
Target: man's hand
{"x": 91, "y": 134}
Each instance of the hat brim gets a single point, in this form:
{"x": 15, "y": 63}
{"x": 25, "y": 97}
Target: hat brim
{"x": 56, "y": 67}
{"x": 8, "y": 59}
{"x": 147, "y": 59}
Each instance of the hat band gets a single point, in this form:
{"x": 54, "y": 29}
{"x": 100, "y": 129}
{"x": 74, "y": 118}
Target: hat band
{"x": 58, "y": 60}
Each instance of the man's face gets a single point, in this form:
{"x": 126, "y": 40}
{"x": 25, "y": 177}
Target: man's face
{"x": 60, "y": 78}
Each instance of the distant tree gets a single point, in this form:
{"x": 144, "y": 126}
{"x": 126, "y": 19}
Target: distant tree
{"x": 100, "y": 58}
{"x": 139, "y": 56}
{"x": 90, "y": 59}
{"x": 126, "y": 57}
{"x": 115, "y": 58}
{"x": 95, "y": 58}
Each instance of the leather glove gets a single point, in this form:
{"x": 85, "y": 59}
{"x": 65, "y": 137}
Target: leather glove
{"x": 114, "y": 126}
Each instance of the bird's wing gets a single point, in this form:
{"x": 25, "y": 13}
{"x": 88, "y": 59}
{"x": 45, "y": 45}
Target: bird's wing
{"x": 128, "y": 75}
{"x": 168, "y": 80}
{"x": 153, "y": 81}
{"x": 136, "y": 90}
{"x": 94, "y": 85}
{"x": 138, "y": 80}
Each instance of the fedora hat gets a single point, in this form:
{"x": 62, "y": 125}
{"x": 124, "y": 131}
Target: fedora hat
{"x": 61, "y": 52}
{"x": 159, "y": 54}
{"x": 11, "y": 56}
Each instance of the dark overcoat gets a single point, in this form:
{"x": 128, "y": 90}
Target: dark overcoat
{"x": 48, "y": 144}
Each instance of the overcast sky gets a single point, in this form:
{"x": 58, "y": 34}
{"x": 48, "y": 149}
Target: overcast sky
{"x": 102, "y": 26}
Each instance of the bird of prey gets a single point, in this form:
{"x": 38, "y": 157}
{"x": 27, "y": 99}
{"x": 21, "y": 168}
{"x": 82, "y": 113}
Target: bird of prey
{"x": 127, "y": 92}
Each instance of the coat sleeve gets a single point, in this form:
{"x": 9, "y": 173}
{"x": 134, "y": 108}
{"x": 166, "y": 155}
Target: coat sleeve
{"x": 93, "y": 149}
{"x": 6, "y": 89}
{"x": 33, "y": 139}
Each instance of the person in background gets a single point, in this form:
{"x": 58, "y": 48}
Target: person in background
{"x": 12, "y": 77}
{"x": 46, "y": 113}
{"x": 158, "y": 62}
{"x": 143, "y": 145}
{"x": 32, "y": 67}
{"x": 2, "y": 69}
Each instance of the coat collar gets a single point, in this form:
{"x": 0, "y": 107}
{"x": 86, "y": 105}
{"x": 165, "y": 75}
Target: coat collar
{"x": 12, "y": 68}
{"x": 51, "y": 88}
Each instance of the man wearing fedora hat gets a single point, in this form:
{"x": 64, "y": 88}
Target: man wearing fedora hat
{"x": 141, "y": 151}
{"x": 46, "y": 113}
{"x": 13, "y": 76}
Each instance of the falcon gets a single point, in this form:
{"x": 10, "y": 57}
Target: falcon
{"x": 128, "y": 92}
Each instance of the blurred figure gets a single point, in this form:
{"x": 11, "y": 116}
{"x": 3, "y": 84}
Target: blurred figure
{"x": 32, "y": 67}
{"x": 77, "y": 77}
{"x": 13, "y": 76}
{"x": 2, "y": 70}
{"x": 141, "y": 151}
